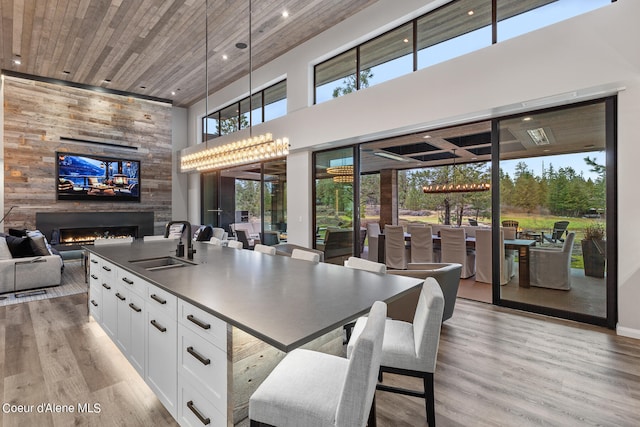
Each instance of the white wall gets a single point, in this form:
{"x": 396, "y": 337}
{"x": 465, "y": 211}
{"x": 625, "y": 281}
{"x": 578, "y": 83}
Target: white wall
{"x": 586, "y": 57}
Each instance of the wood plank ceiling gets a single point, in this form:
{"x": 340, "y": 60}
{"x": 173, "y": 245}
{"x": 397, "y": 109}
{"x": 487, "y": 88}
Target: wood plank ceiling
{"x": 153, "y": 47}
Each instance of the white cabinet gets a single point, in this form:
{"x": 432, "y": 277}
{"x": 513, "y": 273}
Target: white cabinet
{"x": 179, "y": 349}
{"x": 195, "y": 409}
{"x": 131, "y": 330}
{"x": 162, "y": 336}
{"x": 137, "y": 345}
{"x": 202, "y": 374}
{"x": 109, "y": 300}
{"x": 95, "y": 288}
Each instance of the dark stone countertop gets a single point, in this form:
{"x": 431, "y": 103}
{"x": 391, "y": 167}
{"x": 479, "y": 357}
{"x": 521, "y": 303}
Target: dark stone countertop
{"x": 282, "y": 301}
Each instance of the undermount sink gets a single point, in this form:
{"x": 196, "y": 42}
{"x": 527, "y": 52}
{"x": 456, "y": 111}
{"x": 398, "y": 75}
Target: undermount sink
{"x": 161, "y": 263}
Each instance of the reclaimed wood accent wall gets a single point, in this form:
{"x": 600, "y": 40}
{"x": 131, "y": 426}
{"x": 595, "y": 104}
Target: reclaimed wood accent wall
{"x": 39, "y": 114}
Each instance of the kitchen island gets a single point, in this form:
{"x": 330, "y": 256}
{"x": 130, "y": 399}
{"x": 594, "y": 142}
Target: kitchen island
{"x": 205, "y": 334}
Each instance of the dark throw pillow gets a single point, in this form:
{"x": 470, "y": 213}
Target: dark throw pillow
{"x": 17, "y": 233}
{"x": 39, "y": 246}
{"x": 20, "y": 247}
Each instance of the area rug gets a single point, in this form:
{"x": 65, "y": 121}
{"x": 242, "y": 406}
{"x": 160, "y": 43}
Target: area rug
{"x": 72, "y": 283}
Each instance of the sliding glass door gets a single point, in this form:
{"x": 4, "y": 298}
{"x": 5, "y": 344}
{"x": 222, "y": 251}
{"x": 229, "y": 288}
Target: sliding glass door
{"x": 553, "y": 196}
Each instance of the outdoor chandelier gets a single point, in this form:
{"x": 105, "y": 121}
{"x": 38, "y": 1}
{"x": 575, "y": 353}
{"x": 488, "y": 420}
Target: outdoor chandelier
{"x": 456, "y": 188}
{"x": 249, "y": 150}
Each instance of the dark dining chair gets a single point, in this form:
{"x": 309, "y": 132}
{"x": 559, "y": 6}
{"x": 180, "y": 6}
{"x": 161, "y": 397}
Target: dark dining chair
{"x": 558, "y": 232}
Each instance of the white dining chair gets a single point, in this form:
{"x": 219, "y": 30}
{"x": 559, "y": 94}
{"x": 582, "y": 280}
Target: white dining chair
{"x": 411, "y": 349}
{"x": 373, "y": 231}
{"x": 394, "y": 247}
{"x": 421, "y": 243}
{"x": 310, "y": 388}
{"x": 305, "y": 255}
{"x": 235, "y": 244}
{"x": 269, "y": 250}
{"x": 454, "y": 249}
{"x": 484, "y": 258}
{"x": 551, "y": 267}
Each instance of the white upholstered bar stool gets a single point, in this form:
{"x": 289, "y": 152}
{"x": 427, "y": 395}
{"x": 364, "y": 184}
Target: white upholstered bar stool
{"x": 269, "y": 250}
{"x": 412, "y": 348}
{"x": 114, "y": 241}
{"x": 305, "y": 255}
{"x": 365, "y": 264}
{"x": 235, "y": 244}
{"x": 310, "y": 388}
{"x": 421, "y": 243}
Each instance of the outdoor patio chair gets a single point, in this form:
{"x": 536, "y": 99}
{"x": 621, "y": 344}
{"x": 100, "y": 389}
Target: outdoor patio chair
{"x": 559, "y": 230}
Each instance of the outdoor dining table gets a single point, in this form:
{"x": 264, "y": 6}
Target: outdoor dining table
{"x": 521, "y": 245}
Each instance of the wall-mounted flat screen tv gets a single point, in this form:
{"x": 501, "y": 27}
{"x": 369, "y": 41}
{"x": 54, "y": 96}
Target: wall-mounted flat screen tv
{"x": 94, "y": 177}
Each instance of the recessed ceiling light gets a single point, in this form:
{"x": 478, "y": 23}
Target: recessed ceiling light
{"x": 546, "y": 150}
{"x": 225, "y": 57}
{"x": 173, "y": 92}
{"x": 285, "y": 14}
{"x": 527, "y": 119}
{"x": 427, "y": 136}
{"x": 107, "y": 80}
{"x": 66, "y": 72}
{"x": 241, "y": 45}
{"x": 589, "y": 146}
{"x": 17, "y": 61}
{"x": 470, "y": 12}
{"x": 406, "y": 40}
{"x": 143, "y": 87}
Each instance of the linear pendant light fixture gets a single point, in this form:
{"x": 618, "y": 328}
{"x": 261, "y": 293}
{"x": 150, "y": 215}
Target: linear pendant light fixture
{"x": 456, "y": 188}
{"x": 245, "y": 151}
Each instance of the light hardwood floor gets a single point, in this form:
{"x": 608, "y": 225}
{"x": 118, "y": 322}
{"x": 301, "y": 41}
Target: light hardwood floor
{"x": 496, "y": 367}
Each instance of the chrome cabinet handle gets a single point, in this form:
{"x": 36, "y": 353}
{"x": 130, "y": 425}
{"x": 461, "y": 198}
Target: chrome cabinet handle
{"x": 127, "y": 281}
{"x": 104, "y": 267}
{"x": 135, "y": 308}
{"x": 104, "y": 285}
{"x": 94, "y": 277}
{"x": 95, "y": 304}
{"x": 200, "y": 323}
{"x": 203, "y": 420}
{"x": 205, "y": 361}
{"x": 95, "y": 261}
{"x": 120, "y": 297}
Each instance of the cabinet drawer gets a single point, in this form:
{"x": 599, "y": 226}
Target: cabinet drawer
{"x": 194, "y": 410}
{"x": 161, "y": 300}
{"x": 108, "y": 271}
{"x": 204, "y": 364}
{"x": 131, "y": 282}
{"x": 204, "y": 324}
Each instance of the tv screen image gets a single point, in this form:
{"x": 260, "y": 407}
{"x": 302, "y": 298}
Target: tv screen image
{"x": 94, "y": 177}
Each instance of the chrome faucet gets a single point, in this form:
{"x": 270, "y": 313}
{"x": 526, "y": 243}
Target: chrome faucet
{"x": 180, "y": 249}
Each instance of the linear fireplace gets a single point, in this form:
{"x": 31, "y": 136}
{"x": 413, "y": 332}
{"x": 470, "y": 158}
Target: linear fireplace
{"x": 70, "y": 230}
{"x": 83, "y": 236}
